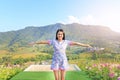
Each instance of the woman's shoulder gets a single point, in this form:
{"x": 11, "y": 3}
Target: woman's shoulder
{"x": 53, "y": 40}
{"x": 66, "y": 40}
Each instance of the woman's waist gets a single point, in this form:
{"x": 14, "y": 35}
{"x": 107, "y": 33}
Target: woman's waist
{"x": 59, "y": 58}
{"x": 59, "y": 51}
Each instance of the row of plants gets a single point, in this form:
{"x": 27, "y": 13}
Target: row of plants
{"x": 100, "y": 66}
{"x": 100, "y": 71}
{"x": 8, "y": 72}
{"x": 103, "y": 71}
{"x": 10, "y": 66}
{"x": 9, "y": 60}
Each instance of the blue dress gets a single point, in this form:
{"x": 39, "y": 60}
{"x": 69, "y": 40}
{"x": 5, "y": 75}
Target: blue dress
{"x": 59, "y": 60}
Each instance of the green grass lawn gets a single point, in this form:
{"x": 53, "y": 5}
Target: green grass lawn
{"x": 76, "y": 75}
{"x": 70, "y": 75}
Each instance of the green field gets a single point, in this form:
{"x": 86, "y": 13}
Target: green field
{"x": 70, "y": 75}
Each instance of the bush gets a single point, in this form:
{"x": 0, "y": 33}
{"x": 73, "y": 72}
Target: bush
{"x": 7, "y": 73}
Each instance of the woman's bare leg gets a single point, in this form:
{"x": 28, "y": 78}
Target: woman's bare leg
{"x": 56, "y": 74}
{"x": 63, "y": 72}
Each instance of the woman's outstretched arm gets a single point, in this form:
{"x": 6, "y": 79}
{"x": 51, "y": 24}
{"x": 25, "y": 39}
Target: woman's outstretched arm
{"x": 80, "y": 44}
{"x": 42, "y": 42}
{"x": 39, "y": 42}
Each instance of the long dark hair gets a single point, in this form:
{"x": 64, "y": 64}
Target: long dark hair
{"x": 61, "y": 30}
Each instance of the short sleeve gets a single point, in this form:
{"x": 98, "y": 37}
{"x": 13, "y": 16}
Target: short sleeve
{"x": 69, "y": 42}
{"x": 50, "y": 42}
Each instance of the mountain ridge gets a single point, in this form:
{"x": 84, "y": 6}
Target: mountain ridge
{"x": 96, "y": 35}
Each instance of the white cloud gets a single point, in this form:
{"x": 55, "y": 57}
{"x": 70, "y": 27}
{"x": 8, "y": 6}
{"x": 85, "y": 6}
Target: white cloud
{"x": 117, "y": 29}
{"x": 73, "y": 19}
{"x": 88, "y": 20}
{"x": 92, "y": 20}
{"x": 70, "y": 19}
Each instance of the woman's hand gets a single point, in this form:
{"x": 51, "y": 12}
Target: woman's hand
{"x": 89, "y": 46}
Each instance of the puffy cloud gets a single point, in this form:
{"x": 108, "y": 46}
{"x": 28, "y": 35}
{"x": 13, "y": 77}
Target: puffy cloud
{"x": 88, "y": 20}
{"x": 70, "y": 19}
{"x": 73, "y": 19}
{"x": 92, "y": 20}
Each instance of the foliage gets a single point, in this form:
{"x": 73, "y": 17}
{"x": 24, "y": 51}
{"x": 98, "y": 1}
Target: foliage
{"x": 99, "y": 65}
{"x": 8, "y": 72}
{"x": 103, "y": 67}
{"x": 96, "y": 64}
{"x": 104, "y": 71}
{"x": 72, "y": 56}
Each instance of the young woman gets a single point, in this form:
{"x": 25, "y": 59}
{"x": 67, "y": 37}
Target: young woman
{"x": 59, "y": 61}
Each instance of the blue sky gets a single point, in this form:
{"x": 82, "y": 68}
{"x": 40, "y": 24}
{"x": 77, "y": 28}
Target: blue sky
{"x": 18, "y": 14}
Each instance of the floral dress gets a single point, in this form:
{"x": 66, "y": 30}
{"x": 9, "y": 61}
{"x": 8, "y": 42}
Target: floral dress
{"x": 59, "y": 60}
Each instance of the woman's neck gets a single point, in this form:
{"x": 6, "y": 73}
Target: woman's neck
{"x": 60, "y": 40}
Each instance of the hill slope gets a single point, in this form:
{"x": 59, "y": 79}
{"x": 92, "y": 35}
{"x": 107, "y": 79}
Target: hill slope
{"x": 95, "y": 35}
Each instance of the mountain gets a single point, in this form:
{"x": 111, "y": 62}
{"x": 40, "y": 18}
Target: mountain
{"x": 95, "y": 35}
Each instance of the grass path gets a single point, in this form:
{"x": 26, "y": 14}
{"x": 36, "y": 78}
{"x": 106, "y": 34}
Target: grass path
{"x": 70, "y": 75}
{"x": 76, "y": 75}
{"x": 34, "y": 76}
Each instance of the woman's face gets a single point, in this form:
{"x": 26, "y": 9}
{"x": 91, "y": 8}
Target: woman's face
{"x": 60, "y": 35}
